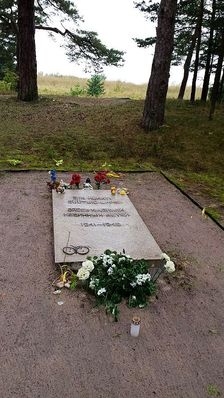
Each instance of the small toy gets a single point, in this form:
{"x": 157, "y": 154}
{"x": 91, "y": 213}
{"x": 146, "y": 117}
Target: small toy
{"x": 53, "y": 175}
{"x": 86, "y": 185}
{"x": 123, "y": 191}
{"x": 61, "y": 187}
{"x": 113, "y": 190}
{"x": 53, "y": 185}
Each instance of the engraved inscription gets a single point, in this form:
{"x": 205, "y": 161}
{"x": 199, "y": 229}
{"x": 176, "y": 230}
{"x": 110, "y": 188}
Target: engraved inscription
{"x": 103, "y": 224}
{"x": 82, "y": 212}
{"x": 92, "y": 200}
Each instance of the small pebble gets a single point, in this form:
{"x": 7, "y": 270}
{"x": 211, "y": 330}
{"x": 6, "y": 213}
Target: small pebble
{"x": 57, "y": 291}
{"x": 60, "y": 302}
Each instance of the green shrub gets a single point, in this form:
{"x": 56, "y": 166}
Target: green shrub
{"x": 11, "y": 78}
{"x": 95, "y": 85}
{"x": 4, "y": 87}
{"x": 78, "y": 91}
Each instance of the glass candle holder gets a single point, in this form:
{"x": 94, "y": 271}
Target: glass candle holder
{"x": 135, "y": 326}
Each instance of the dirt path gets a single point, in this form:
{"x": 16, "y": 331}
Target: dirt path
{"x": 74, "y": 350}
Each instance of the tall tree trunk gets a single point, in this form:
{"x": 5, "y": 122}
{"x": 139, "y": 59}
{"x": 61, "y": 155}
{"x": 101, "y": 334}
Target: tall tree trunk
{"x": 206, "y": 80}
{"x": 187, "y": 63}
{"x": 27, "y": 51}
{"x": 216, "y": 85}
{"x": 154, "y": 108}
{"x": 221, "y": 88}
{"x": 198, "y": 46}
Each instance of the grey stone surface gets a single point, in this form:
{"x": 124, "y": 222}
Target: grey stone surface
{"x": 100, "y": 221}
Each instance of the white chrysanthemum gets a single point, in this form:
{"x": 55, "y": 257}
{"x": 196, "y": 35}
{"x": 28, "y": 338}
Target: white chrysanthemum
{"x": 92, "y": 283}
{"x": 110, "y": 271}
{"x": 101, "y": 291}
{"x": 133, "y": 284}
{"x": 83, "y": 274}
{"x": 142, "y": 278}
{"x": 170, "y": 266}
{"x": 105, "y": 259}
{"x": 88, "y": 265}
{"x": 164, "y": 256}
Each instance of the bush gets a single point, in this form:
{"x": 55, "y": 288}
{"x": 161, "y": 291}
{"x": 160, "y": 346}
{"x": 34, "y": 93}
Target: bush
{"x": 9, "y": 83}
{"x": 77, "y": 91}
{"x": 4, "y": 87}
{"x": 95, "y": 85}
{"x": 11, "y": 78}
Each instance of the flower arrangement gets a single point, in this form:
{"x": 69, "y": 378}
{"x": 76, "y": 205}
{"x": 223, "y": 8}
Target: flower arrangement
{"x": 112, "y": 277}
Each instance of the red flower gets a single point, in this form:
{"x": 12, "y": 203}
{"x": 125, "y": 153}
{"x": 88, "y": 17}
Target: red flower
{"x": 76, "y": 178}
{"x": 101, "y": 177}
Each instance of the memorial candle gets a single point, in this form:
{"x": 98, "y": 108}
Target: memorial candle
{"x": 135, "y": 326}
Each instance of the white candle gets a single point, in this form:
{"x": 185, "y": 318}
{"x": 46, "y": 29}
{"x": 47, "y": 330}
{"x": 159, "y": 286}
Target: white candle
{"x": 135, "y": 326}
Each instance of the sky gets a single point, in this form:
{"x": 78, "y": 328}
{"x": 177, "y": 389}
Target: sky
{"x": 117, "y": 22}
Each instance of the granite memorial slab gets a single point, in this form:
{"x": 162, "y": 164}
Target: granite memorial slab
{"x": 86, "y": 223}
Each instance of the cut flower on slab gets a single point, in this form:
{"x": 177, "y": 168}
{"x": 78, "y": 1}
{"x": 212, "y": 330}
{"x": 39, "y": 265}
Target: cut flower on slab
{"x": 88, "y": 265}
{"x": 83, "y": 274}
{"x": 170, "y": 266}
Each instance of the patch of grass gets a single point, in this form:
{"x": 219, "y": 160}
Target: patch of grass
{"x": 213, "y": 212}
{"x": 87, "y": 132}
{"x": 62, "y": 85}
{"x": 203, "y": 184}
{"x": 213, "y": 390}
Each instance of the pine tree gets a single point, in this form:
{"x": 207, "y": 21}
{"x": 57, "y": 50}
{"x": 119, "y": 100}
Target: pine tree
{"x": 27, "y": 52}
{"x": 80, "y": 45}
{"x": 154, "y": 108}
{"x": 208, "y": 54}
{"x": 95, "y": 85}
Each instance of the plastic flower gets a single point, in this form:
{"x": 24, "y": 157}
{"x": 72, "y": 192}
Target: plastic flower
{"x": 88, "y": 265}
{"x": 164, "y": 256}
{"x": 83, "y": 274}
{"x": 101, "y": 291}
{"x": 170, "y": 266}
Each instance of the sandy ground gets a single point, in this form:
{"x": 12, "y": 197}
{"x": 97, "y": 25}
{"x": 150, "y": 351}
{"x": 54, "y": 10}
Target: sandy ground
{"x": 74, "y": 350}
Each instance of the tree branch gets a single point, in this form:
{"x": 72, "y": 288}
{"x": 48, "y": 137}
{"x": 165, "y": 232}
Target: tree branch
{"x": 55, "y": 30}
